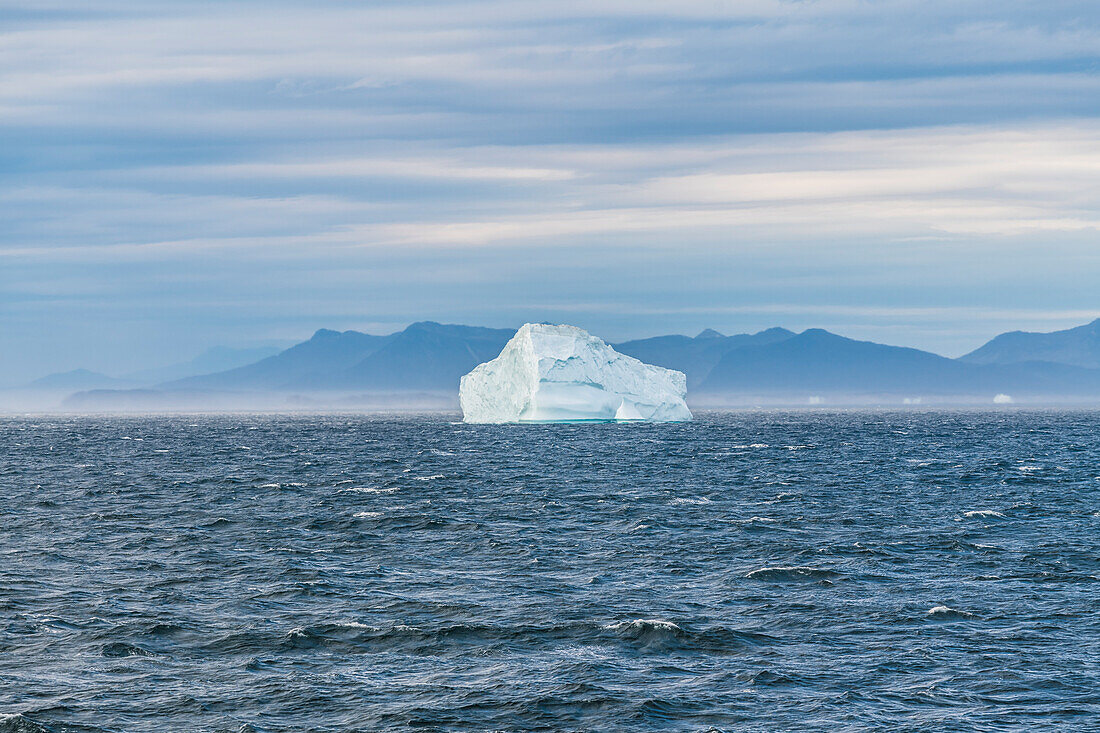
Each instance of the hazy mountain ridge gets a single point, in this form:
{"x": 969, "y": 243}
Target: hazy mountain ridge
{"x": 818, "y": 362}
{"x": 424, "y": 356}
{"x": 696, "y": 357}
{"x": 1078, "y": 346}
{"x": 79, "y": 379}
{"x": 326, "y": 354}
{"x": 214, "y": 359}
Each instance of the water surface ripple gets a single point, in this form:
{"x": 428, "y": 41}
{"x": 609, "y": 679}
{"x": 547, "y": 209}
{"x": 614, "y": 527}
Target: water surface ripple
{"x": 747, "y": 571}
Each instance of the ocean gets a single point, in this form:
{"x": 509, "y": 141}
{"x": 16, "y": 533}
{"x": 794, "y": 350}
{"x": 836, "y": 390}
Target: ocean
{"x": 809, "y": 570}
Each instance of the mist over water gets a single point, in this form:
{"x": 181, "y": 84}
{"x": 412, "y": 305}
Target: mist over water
{"x": 746, "y": 571}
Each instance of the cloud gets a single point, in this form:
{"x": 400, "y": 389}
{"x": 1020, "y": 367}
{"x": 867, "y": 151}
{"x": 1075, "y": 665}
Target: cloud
{"x": 736, "y": 191}
{"x": 696, "y": 159}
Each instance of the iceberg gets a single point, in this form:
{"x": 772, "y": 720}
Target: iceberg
{"x": 563, "y": 374}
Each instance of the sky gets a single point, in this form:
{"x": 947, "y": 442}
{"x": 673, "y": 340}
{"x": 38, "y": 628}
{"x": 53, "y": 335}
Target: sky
{"x": 178, "y": 175}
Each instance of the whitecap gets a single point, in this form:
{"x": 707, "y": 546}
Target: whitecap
{"x": 780, "y": 569}
{"x": 696, "y": 500}
{"x": 428, "y": 478}
{"x": 367, "y": 515}
{"x": 948, "y": 612}
{"x": 366, "y": 490}
{"x": 356, "y": 625}
{"x": 982, "y": 513}
{"x": 790, "y": 572}
{"x": 639, "y": 624}
{"x": 19, "y": 723}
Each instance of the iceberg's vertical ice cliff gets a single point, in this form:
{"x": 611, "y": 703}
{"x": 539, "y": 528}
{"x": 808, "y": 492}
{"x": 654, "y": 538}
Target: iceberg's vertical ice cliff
{"x": 563, "y": 373}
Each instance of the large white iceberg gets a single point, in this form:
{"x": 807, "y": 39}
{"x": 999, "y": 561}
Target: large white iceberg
{"x": 563, "y": 373}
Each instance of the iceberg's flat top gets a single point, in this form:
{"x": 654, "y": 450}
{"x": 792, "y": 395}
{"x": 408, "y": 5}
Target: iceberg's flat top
{"x": 562, "y": 373}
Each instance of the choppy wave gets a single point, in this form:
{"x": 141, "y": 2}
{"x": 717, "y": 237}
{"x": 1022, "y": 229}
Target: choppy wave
{"x": 18, "y": 723}
{"x": 369, "y": 490}
{"x": 983, "y": 513}
{"x": 792, "y": 573}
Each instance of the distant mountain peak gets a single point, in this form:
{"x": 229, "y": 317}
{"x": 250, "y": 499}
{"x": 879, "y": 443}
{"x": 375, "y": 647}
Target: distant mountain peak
{"x": 323, "y": 335}
{"x": 1079, "y": 346}
{"x": 423, "y": 325}
{"x": 77, "y": 379}
{"x": 80, "y": 373}
{"x": 710, "y": 333}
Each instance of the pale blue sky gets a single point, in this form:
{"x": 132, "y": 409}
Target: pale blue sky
{"x": 175, "y": 175}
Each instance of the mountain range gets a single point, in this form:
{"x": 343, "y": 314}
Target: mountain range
{"x": 816, "y": 362}
{"x": 774, "y": 365}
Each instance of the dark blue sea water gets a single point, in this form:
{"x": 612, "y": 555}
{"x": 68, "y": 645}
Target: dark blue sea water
{"x": 748, "y": 571}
